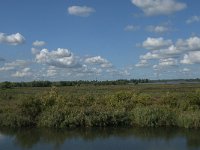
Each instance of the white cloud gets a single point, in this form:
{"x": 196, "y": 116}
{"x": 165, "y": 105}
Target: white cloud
{"x": 17, "y": 63}
{"x": 156, "y": 43}
{"x": 22, "y": 73}
{"x": 82, "y": 11}
{"x": 98, "y": 60}
{"x": 156, "y": 67}
{"x": 165, "y": 63}
{"x": 173, "y": 50}
{"x": 158, "y": 29}
{"x": 13, "y": 39}
{"x": 190, "y": 44}
{"x": 61, "y": 58}
{"x": 149, "y": 56}
{"x": 172, "y": 55}
{"x": 51, "y": 72}
{"x": 95, "y": 60}
{"x": 118, "y": 73}
{"x": 142, "y": 63}
{"x": 39, "y": 43}
{"x": 193, "y": 43}
{"x": 13, "y": 65}
{"x": 6, "y": 68}
{"x": 34, "y": 51}
{"x": 185, "y": 70}
{"x": 168, "y": 62}
{"x": 159, "y": 7}
{"x": 87, "y": 71}
{"x": 107, "y": 65}
{"x": 191, "y": 58}
{"x": 193, "y": 19}
{"x": 131, "y": 28}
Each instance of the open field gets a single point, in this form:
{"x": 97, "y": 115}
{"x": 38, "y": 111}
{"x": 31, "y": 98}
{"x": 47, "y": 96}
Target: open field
{"x": 143, "y": 105}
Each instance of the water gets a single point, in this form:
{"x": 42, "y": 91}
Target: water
{"x": 100, "y": 139}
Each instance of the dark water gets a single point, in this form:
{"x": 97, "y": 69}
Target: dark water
{"x": 100, "y": 139}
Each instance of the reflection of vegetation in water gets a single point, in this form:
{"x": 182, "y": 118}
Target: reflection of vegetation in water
{"x": 27, "y": 138}
{"x": 102, "y": 106}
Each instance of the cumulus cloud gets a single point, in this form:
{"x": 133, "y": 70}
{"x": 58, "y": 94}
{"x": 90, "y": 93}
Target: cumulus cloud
{"x": 17, "y": 63}
{"x": 82, "y": 11}
{"x": 159, "y": 7}
{"x": 63, "y": 64}
{"x": 158, "y": 29}
{"x": 13, "y": 39}
{"x": 39, "y": 43}
{"x": 13, "y": 65}
{"x": 22, "y": 73}
{"x": 190, "y": 44}
{"x": 34, "y": 51}
{"x": 191, "y": 58}
{"x": 170, "y": 51}
{"x": 117, "y": 73}
{"x": 6, "y": 68}
{"x": 166, "y": 48}
{"x": 183, "y": 51}
{"x": 131, "y": 28}
{"x": 98, "y": 60}
{"x": 165, "y": 64}
{"x": 168, "y": 62}
{"x": 90, "y": 70}
{"x": 149, "y": 56}
{"x": 61, "y": 58}
{"x": 156, "y": 43}
{"x": 51, "y": 71}
{"x": 193, "y": 19}
{"x": 142, "y": 63}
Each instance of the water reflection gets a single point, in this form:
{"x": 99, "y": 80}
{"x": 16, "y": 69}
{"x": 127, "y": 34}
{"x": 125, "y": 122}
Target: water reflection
{"x": 95, "y": 138}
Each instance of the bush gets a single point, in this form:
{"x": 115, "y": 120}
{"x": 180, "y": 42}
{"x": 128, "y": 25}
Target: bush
{"x": 30, "y": 108}
{"x": 144, "y": 99}
{"x": 188, "y": 119}
{"x": 153, "y": 116}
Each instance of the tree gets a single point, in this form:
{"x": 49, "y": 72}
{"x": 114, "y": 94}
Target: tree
{"x": 6, "y": 85}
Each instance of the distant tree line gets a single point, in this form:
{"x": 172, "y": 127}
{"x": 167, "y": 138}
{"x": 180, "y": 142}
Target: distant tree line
{"x": 175, "y": 80}
{"x": 7, "y": 84}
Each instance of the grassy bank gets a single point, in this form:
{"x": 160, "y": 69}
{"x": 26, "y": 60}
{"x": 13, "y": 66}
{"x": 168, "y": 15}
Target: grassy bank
{"x": 101, "y": 106}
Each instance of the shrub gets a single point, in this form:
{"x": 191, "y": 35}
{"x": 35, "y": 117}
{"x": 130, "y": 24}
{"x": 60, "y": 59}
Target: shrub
{"x": 30, "y": 108}
{"x": 153, "y": 116}
{"x": 144, "y": 99}
{"x": 188, "y": 119}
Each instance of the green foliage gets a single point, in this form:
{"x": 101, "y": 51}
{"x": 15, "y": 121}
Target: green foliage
{"x": 153, "y": 116}
{"x": 70, "y": 83}
{"x": 49, "y": 98}
{"x": 189, "y": 119}
{"x": 30, "y": 108}
{"x": 5, "y": 85}
{"x": 96, "y": 106}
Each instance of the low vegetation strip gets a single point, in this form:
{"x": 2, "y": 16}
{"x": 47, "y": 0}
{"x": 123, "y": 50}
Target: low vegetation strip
{"x": 123, "y": 106}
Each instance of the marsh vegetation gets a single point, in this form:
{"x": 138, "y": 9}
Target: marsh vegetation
{"x": 101, "y": 106}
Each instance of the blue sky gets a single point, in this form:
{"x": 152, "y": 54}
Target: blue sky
{"x": 99, "y": 39}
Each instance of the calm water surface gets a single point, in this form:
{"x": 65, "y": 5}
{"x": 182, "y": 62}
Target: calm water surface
{"x": 100, "y": 139}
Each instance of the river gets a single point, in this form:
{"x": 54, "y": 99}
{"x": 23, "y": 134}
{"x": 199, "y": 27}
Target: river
{"x": 100, "y": 139}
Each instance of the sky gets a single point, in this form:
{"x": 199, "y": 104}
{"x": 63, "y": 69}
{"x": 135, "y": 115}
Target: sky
{"x": 99, "y": 39}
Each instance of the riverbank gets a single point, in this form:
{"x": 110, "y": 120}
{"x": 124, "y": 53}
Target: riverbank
{"x": 104, "y": 106}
